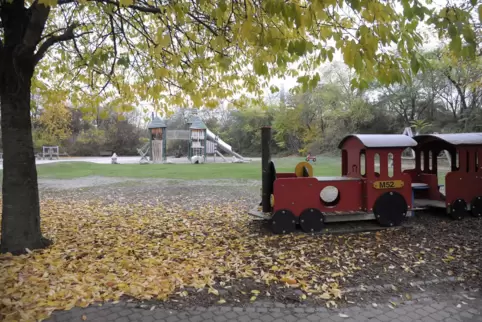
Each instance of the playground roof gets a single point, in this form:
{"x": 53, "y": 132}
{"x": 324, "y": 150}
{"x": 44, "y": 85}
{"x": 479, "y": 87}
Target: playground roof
{"x": 198, "y": 125}
{"x": 156, "y": 123}
{"x": 452, "y": 138}
{"x": 381, "y": 140}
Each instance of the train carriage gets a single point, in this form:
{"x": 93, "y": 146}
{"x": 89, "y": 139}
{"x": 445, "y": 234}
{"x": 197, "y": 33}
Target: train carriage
{"x": 463, "y": 181}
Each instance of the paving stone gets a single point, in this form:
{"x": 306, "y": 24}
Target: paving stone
{"x": 207, "y": 315}
{"x": 466, "y": 315}
{"x": 290, "y": 318}
{"x": 195, "y": 318}
{"x": 172, "y": 318}
{"x": 267, "y": 318}
{"x": 147, "y": 319}
{"x": 384, "y": 318}
{"x": 125, "y": 312}
{"x": 231, "y": 315}
{"x": 277, "y": 315}
{"x": 422, "y": 312}
{"x": 437, "y": 317}
{"x": 428, "y": 319}
{"x": 160, "y": 314}
{"x": 244, "y": 318}
{"x": 135, "y": 316}
{"x": 122, "y": 319}
{"x": 220, "y": 318}
{"x": 112, "y": 317}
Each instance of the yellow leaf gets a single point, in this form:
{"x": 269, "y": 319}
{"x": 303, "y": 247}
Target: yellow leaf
{"x": 325, "y": 296}
{"x": 213, "y": 291}
{"x": 338, "y": 274}
{"x": 253, "y": 298}
{"x": 84, "y": 317}
{"x": 256, "y": 292}
{"x": 221, "y": 301}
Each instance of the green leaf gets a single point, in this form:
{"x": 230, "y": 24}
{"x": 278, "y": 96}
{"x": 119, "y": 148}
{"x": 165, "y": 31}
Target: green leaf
{"x": 456, "y": 44}
{"x": 414, "y": 64}
{"x": 480, "y": 13}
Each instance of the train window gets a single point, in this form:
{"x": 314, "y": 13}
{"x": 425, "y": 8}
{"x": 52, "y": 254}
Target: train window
{"x": 391, "y": 164}
{"x": 430, "y": 161}
{"x": 476, "y": 156}
{"x": 330, "y": 196}
{"x": 363, "y": 163}
{"x": 344, "y": 162}
{"x": 377, "y": 164}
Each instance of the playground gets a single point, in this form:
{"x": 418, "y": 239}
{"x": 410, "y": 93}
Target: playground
{"x": 192, "y": 242}
{"x": 175, "y": 255}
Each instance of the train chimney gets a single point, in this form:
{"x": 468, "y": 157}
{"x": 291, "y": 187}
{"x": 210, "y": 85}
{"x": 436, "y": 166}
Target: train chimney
{"x": 265, "y": 160}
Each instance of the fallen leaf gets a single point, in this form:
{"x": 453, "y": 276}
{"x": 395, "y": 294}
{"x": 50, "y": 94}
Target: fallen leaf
{"x": 342, "y": 315}
{"x": 253, "y": 298}
{"x": 374, "y": 304}
{"x": 84, "y": 317}
{"x": 221, "y": 301}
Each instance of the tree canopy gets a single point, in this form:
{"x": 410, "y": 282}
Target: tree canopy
{"x": 195, "y": 52}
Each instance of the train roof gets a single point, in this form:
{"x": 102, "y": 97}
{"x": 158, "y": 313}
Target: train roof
{"x": 381, "y": 140}
{"x": 452, "y": 138}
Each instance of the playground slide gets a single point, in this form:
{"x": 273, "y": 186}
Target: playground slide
{"x": 223, "y": 145}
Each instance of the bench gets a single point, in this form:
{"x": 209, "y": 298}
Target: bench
{"x": 105, "y": 153}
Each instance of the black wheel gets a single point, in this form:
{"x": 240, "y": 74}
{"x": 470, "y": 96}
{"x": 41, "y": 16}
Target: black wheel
{"x": 312, "y": 220}
{"x": 458, "y": 209}
{"x": 476, "y": 207}
{"x": 390, "y": 209}
{"x": 283, "y": 222}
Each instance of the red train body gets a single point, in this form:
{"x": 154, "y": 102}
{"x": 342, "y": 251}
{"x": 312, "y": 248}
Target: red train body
{"x": 372, "y": 184}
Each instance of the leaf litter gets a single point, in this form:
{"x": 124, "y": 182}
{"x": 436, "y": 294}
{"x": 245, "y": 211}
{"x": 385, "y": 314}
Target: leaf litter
{"x": 156, "y": 252}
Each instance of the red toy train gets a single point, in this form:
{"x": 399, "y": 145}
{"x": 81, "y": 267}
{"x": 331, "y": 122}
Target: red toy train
{"x": 362, "y": 192}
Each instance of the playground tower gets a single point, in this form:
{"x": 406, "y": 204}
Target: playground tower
{"x": 197, "y": 139}
{"x": 157, "y": 138}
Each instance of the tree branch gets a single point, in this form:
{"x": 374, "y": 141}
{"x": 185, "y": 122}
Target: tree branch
{"x": 38, "y": 17}
{"x": 49, "y": 42}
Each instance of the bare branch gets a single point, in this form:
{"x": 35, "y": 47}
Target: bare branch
{"x": 67, "y": 35}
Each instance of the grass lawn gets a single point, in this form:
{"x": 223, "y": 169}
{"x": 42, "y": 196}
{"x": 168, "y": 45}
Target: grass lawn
{"x": 325, "y": 166}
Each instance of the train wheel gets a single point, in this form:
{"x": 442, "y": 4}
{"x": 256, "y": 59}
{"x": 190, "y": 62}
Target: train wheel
{"x": 458, "y": 209}
{"x": 390, "y": 209}
{"x": 312, "y": 220}
{"x": 476, "y": 207}
{"x": 283, "y": 222}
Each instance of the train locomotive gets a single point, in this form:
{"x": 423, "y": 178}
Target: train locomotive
{"x": 372, "y": 185}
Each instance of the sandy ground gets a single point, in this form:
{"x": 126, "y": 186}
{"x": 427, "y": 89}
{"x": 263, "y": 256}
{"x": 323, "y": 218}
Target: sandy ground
{"x": 129, "y": 160}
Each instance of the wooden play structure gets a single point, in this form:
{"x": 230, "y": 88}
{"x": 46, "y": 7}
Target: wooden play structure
{"x": 369, "y": 188}
{"x": 202, "y": 142}
{"x": 157, "y": 139}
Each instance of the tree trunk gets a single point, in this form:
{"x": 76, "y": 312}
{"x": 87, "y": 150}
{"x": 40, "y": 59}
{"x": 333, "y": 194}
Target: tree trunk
{"x": 20, "y": 204}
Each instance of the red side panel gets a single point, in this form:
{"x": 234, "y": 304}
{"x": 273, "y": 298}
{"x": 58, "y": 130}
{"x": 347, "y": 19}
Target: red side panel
{"x": 372, "y": 194}
{"x": 298, "y": 194}
{"x": 462, "y": 185}
{"x": 285, "y": 175}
